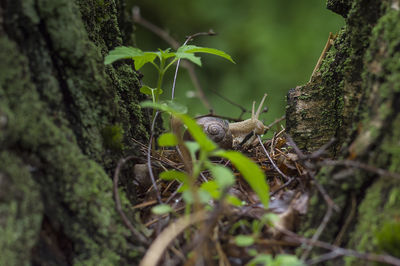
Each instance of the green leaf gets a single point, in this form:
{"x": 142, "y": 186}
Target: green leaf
{"x": 251, "y": 173}
{"x": 204, "y": 196}
{"x": 212, "y": 188}
{"x": 197, "y": 49}
{"x": 262, "y": 259}
{"x": 244, "y": 241}
{"x": 146, "y": 90}
{"x": 223, "y": 175}
{"x": 189, "y": 56}
{"x": 197, "y": 133}
{"x": 141, "y": 60}
{"x": 167, "y": 140}
{"x": 193, "y": 147}
{"x": 174, "y": 175}
{"x": 271, "y": 219}
{"x": 234, "y": 201}
{"x": 149, "y": 91}
{"x": 286, "y": 259}
{"x": 122, "y": 52}
{"x": 165, "y": 54}
{"x": 187, "y": 196}
{"x": 194, "y": 129}
{"x": 174, "y": 105}
{"x": 162, "y": 209}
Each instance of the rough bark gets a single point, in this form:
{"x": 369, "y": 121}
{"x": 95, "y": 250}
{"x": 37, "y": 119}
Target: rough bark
{"x": 355, "y": 98}
{"x": 65, "y": 119}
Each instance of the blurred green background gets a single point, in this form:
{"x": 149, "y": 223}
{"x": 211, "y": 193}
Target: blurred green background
{"x": 274, "y": 43}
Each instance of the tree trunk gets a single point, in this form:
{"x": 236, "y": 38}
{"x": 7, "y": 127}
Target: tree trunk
{"x": 65, "y": 119}
{"x": 355, "y": 97}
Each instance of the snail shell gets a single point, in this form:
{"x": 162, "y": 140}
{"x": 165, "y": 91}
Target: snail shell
{"x": 217, "y": 130}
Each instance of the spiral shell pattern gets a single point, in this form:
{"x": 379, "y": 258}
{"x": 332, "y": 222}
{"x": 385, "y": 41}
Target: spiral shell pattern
{"x": 218, "y": 130}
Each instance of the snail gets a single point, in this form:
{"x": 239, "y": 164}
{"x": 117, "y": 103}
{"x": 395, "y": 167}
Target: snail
{"x": 217, "y": 130}
{"x": 232, "y": 135}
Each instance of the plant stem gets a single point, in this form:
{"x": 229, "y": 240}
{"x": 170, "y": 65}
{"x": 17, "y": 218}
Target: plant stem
{"x": 161, "y": 72}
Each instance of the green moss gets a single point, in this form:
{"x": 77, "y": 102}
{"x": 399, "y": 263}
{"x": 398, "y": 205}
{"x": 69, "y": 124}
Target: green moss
{"x": 341, "y": 7}
{"x": 374, "y": 212}
{"x": 94, "y": 96}
{"x": 361, "y": 74}
{"x": 388, "y": 238}
{"x": 51, "y": 125}
{"x": 20, "y": 210}
{"x": 113, "y": 136}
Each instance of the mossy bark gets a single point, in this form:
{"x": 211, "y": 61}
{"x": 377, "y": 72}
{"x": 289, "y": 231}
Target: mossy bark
{"x": 65, "y": 119}
{"x": 355, "y": 98}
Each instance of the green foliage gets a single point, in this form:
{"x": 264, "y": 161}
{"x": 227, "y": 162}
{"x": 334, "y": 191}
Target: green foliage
{"x": 224, "y": 177}
{"x": 124, "y": 52}
{"x": 244, "y": 240}
{"x": 279, "y": 260}
{"x": 174, "y": 175}
{"x": 388, "y": 238}
{"x": 202, "y": 149}
{"x": 161, "y": 209}
{"x": 195, "y": 130}
{"x": 167, "y": 140}
{"x": 190, "y": 49}
{"x": 256, "y": 226}
{"x": 150, "y": 91}
{"x": 166, "y": 58}
{"x": 251, "y": 173}
{"x": 141, "y": 58}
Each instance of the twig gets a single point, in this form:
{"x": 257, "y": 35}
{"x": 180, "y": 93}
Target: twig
{"x": 153, "y": 181}
{"x": 276, "y": 121}
{"x": 327, "y": 256}
{"x": 319, "y": 231}
{"x": 144, "y": 204}
{"x": 331, "y": 205}
{"x": 189, "y": 38}
{"x": 287, "y": 178}
{"x": 155, "y": 220}
{"x": 209, "y": 224}
{"x": 174, "y": 44}
{"x": 328, "y": 45}
{"x": 118, "y": 205}
{"x": 349, "y": 163}
{"x": 299, "y": 153}
{"x": 173, "y": 194}
{"x": 223, "y": 259}
{"x": 160, "y": 244}
{"x": 322, "y": 150}
{"x": 324, "y": 194}
{"x": 348, "y": 220}
{"x": 283, "y": 186}
{"x": 303, "y": 158}
{"x": 341, "y": 251}
{"x": 244, "y": 110}
{"x": 137, "y": 18}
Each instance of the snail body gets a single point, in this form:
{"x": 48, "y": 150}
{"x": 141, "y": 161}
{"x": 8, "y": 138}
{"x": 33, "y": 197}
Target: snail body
{"x": 241, "y": 129}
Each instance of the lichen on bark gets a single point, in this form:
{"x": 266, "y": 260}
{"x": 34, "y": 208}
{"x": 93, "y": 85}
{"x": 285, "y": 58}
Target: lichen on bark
{"x": 56, "y": 99}
{"x": 361, "y": 76}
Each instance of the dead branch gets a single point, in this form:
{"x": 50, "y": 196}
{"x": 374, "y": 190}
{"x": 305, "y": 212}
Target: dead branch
{"x": 118, "y": 206}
